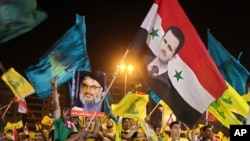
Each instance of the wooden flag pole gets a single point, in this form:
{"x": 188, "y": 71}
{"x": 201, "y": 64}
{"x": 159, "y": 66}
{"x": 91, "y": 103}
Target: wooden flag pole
{"x": 3, "y": 116}
{"x": 3, "y": 107}
{"x": 151, "y": 112}
{"x": 206, "y": 122}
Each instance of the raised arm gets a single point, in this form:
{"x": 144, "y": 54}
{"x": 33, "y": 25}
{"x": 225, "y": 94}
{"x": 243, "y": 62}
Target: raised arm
{"x": 131, "y": 133}
{"x": 55, "y": 98}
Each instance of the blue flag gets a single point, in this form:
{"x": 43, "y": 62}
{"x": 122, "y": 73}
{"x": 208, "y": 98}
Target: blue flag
{"x": 153, "y": 96}
{"x": 231, "y": 69}
{"x": 18, "y": 17}
{"x": 69, "y": 53}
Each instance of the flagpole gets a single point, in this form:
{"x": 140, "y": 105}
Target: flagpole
{"x": 3, "y": 107}
{"x": 162, "y": 117}
{"x": 206, "y": 122}
{"x": 151, "y": 112}
{"x": 3, "y": 116}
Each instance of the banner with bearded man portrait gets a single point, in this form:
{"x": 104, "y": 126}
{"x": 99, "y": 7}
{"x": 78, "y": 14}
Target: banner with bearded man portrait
{"x": 88, "y": 90}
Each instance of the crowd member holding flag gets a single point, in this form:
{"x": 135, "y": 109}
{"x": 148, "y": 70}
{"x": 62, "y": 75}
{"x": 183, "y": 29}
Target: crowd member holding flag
{"x": 92, "y": 128}
{"x": 129, "y": 133}
{"x": 62, "y": 123}
{"x": 109, "y": 133}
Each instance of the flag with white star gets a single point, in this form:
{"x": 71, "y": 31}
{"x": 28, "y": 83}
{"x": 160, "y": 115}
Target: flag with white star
{"x": 191, "y": 80}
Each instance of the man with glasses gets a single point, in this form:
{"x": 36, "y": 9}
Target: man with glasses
{"x": 89, "y": 90}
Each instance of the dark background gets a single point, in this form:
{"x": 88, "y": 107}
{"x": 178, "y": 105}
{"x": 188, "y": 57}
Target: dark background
{"x": 112, "y": 24}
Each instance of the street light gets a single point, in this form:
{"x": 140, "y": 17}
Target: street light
{"x": 126, "y": 70}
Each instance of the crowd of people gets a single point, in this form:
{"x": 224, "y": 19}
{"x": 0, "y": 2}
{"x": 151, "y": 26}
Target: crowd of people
{"x": 94, "y": 128}
{"x": 65, "y": 127}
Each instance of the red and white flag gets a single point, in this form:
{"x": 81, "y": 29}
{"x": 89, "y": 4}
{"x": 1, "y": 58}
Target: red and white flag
{"x": 22, "y": 107}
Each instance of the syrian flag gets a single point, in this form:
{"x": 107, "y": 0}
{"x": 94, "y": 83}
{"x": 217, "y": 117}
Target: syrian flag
{"x": 192, "y": 80}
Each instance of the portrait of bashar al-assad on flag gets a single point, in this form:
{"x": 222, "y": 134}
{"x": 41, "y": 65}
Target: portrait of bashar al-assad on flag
{"x": 88, "y": 90}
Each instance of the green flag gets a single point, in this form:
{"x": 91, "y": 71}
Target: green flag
{"x": 18, "y": 17}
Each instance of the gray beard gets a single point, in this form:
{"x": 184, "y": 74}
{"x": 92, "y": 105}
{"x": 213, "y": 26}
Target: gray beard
{"x": 87, "y": 102}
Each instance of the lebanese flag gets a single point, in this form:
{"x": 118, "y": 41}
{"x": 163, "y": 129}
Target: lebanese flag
{"x": 22, "y": 106}
{"x": 192, "y": 81}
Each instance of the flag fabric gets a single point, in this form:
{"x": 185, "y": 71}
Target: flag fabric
{"x": 22, "y": 105}
{"x": 69, "y": 53}
{"x": 18, "y": 17}
{"x": 246, "y": 97}
{"x": 10, "y": 126}
{"x": 118, "y": 130}
{"x": 17, "y": 83}
{"x": 211, "y": 117}
{"x": 231, "y": 69}
{"x": 47, "y": 120}
{"x": 157, "y": 100}
{"x": 192, "y": 80}
{"x": 228, "y": 104}
{"x": 132, "y": 106}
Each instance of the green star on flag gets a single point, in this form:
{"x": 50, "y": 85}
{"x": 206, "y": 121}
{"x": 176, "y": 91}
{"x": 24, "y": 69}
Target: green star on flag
{"x": 178, "y": 75}
{"x": 154, "y": 33}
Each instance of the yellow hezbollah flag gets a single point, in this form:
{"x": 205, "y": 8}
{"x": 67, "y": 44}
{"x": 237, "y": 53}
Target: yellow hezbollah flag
{"x": 132, "y": 106}
{"x": 234, "y": 101}
{"x": 47, "y": 120}
{"x": 17, "y": 83}
{"x": 246, "y": 97}
{"x": 228, "y": 103}
{"x": 10, "y": 126}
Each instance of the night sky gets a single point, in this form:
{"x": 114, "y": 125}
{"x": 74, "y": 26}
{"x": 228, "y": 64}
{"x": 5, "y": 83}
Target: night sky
{"x": 112, "y": 24}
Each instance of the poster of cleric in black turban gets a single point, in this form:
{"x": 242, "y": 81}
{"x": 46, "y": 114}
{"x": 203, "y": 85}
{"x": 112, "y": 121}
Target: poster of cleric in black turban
{"x": 88, "y": 90}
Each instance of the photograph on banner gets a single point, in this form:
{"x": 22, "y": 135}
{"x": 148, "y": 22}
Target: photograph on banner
{"x": 88, "y": 89}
